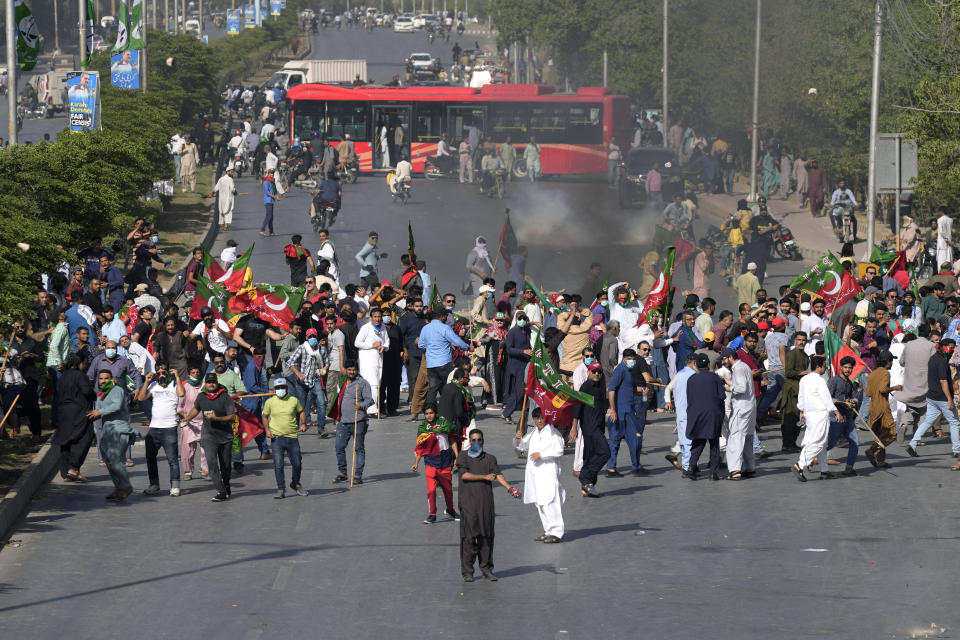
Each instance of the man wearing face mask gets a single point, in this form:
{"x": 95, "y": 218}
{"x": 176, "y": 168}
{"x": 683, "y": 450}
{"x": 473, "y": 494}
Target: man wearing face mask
{"x": 623, "y": 423}
{"x": 120, "y": 368}
{"x": 479, "y": 314}
{"x": 593, "y": 449}
{"x": 216, "y": 437}
{"x": 116, "y": 435}
{"x": 308, "y": 367}
{"x": 436, "y": 340}
{"x": 392, "y": 367}
{"x": 164, "y": 390}
{"x": 283, "y": 420}
{"x": 517, "y": 346}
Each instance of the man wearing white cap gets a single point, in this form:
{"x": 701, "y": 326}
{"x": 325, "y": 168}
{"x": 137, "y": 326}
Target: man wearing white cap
{"x": 747, "y": 284}
{"x": 283, "y": 420}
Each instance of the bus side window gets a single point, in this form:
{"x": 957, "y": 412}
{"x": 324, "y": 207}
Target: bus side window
{"x": 585, "y": 124}
{"x": 348, "y": 117}
{"x": 508, "y": 119}
{"x": 429, "y": 122}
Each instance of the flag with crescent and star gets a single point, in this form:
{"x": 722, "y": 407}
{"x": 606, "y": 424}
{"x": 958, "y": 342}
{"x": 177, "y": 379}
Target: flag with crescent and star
{"x": 210, "y": 294}
{"x": 544, "y": 385}
{"x": 230, "y": 279}
{"x": 660, "y": 291}
{"x": 828, "y": 279}
{"x": 273, "y": 303}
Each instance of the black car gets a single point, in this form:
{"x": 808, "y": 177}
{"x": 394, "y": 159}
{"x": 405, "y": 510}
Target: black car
{"x": 633, "y": 175}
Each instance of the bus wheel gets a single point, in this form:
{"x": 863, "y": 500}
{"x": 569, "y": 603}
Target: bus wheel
{"x": 520, "y": 172}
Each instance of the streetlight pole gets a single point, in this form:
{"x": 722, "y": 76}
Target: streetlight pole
{"x": 874, "y": 115}
{"x": 756, "y": 105}
{"x": 56, "y": 27}
{"x": 666, "y": 102}
{"x": 83, "y": 30}
{"x": 11, "y": 75}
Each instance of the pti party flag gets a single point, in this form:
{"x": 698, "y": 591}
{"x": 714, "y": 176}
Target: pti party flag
{"x": 898, "y": 270}
{"x": 123, "y": 28}
{"x": 88, "y": 33}
{"x": 211, "y": 267}
{"x": 210, "y": 294}
{"x": 508, "y": 241}
{"x": 436, "y": 301}
{"x": 882, "y": 257}
{"x": 828, "y": 279}
{"x": 28, "y": 36}
{"x": 555, "y": 399}
{"x": 232, "y": 279}
{"x": 411, "y": 246}
{"x": 130, "y": 385}
{"x": 246, "y": 426}
{"x": 836, "y": 350}
{"x": 548, "y": 306}
{"x": 659, "y": 294}
{"x": 333, "y": 411}
{"x": 684, "y": 249}
{"x": 276, "y": 304}
{"x": 136, "y": 25}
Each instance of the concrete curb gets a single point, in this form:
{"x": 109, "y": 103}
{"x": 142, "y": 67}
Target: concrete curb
{"x": 15, "y": 503}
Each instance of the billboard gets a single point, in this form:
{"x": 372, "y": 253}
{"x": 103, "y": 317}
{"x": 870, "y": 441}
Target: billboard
{"x": 125, "y": 69}
{"x": 275, "y": 7}
{"x": 82, "y": 87}
{"x": 250, "y": 17}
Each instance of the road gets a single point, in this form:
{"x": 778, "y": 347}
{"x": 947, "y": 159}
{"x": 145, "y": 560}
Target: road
{"x": 656, "y": 556}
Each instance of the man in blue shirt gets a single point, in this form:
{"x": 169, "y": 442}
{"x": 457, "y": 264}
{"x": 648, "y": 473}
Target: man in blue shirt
{"x": 75, "y": 321}
{"x": 410, "y": 325}
{"x": 622, "y": 423}
{"x": 329, "y": 191}
{"x": 436, "y": 340}
{"x": 680, "y": 404}
{"x": 269, "y": 198}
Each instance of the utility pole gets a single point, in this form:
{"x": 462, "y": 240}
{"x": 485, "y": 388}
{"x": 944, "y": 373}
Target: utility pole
{"x": 201, "y": 19}
{"x": 874, "y": 115}
{"x": 143, "y": 59}
{"x": 666, "y": 75}
{"x": 183, "y": 15}
{"x": 83, "y": 31}
{"x": 12, "y": 75}
{"x": 604, "y": 68}
{"x": 56, "y": 27}
{"x": 756, "y": 102}
{"x": 256, "y": 4}
{"x": 166, "y": 15}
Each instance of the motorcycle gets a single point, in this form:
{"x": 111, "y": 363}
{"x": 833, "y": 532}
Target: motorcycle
{"x": 238, "y": 165}
{"x": 460, "y": 29}
{"x": 326, "y": 215}
{"x": 842, "y": 215}
{"x": 401, "y": 191}
{"x": 430, "y": 38}
{"x": 348, "y": 172}
{"x": 784, "y": 246}
{"x": 496, "y": 188}
{"x": 434, "y": 171}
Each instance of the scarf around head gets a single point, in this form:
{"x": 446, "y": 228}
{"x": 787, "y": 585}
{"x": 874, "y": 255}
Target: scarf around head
{"x": 480, "y": 246}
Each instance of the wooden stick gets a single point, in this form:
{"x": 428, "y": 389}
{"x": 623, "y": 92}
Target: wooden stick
{"x": 253, "y": 395}
{"x": 353, "y": 461}
{"x": 379, "y": 384}
{"x": 7, "y": 414}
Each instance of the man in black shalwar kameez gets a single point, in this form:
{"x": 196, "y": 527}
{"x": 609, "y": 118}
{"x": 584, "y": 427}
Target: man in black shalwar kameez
{"x": 591, "y": 421}
{"x": 478, "y": 470}
{"x": 705, "y": 412}
{"x": 74, "y": 430}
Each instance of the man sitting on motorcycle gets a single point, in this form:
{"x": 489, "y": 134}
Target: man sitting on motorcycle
{"x": 329, "y": 191}
{"x": 302, "y": 157}
{"x": 444, "y": 158}
{"x": 489, "y": 165}
{"x": 403, "y": 173}
{"x": 346, "y": 152}
{"x": 842, "y": 198}
{"x": 678, "y": 214}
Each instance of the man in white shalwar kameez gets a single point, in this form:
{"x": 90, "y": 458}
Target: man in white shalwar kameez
{"x": 541, "y": 480}
{"x": 815, "y": 404}
{"x": 626, "y": 312}
{"x": 226, "y": 191}
{"x": 579, "y": 377}
{"x": 679, "y": 391}
{"x": 944, "y": 238}
{"x": 743, "y": 417}
{"x": 372, "y": 340}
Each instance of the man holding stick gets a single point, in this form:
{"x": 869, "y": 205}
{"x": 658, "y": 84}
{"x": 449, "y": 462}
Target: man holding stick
{"x": 355, "y": 391}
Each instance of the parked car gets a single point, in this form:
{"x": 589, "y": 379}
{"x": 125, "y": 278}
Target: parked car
{"x": 404, "y": 24}
{"x": 633, "y": 175}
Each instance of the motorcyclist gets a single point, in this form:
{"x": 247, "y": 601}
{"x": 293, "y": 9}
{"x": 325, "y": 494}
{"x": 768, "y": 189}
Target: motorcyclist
{"x": 346, "y": 152}
{"x": 303, "y": 157}
{"x": 456, "y": 53}
{"x": 403, "y": 173}
{"x": 444, "y": 158}
{"x": 329, "y": 191}
{"x": 488, "y": 167}
{"x": 678, "y": 213}
{"x": 842, "y": 198}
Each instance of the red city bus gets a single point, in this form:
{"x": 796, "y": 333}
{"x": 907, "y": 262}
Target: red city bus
{"x": 571, "y": 128}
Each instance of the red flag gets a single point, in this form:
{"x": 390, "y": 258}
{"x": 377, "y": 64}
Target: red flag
{"x": 657, "y": 298}
{"x": 898, "y": 270}
{"x": 829, "y": 280}
{"x": 684, "y": 249}
{"x": 276, "y": 304}
{"x": 508, "y": 241}
{"x": 247, "y": 426}
{"x": 544, "y": 385}
{"x": 836, "y": 350}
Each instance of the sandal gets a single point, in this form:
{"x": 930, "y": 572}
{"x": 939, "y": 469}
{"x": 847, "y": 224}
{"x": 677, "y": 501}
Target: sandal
{"x": 956, "y": 467}
{"x": 340, "y": 478}
{"x": 736, "y": 475}
{"x": 939, "y": 434}
{"x": 748, "y": 474}
{"x": 672, "y": 459}
{"x": 540, "y": 538}
{"x": 551, "y": 540}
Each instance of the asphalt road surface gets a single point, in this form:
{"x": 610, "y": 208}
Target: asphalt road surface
{"x": 657, "y": 556}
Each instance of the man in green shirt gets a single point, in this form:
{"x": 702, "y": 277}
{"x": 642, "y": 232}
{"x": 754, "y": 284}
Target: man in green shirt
{"x": 227, "y": 377}
{"x": 283, "y": 419}
{"x": 56, "y": 361}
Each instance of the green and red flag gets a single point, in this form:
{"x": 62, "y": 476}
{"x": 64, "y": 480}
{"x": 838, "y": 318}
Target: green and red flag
{"x": 684, "y": 249}
{"x": 246, "y": 427}
{"x": 232, "y": 278}
{"x": 333, "y": 411}
{"x": 411, "y": 247}
{"x": 274, "y": 303}
{"x": 835, "y": 350}
{"x": 210, "y": 294}
{"x": 898, "y": 270}
{"x": 828, "y": 279}
{"x": 548, "y": 306}
{"x": 659, "y": 296}
{"x": 882, "y": 257}
{"x": 508, "y": 241}
{"x": 555, "y": 399}
{"x": 436, "y": 300}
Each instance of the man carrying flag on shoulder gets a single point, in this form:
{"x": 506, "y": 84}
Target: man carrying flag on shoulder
{"x": 433, "y": 447}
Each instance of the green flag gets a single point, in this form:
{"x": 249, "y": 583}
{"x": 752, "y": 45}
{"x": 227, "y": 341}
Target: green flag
{"x": 91, "y": 13}
{"x": 411, "y": 247}
{"x": 28, "y": 36}
{"x": 130, "y": 385}
{"x": 555, "y": 399}
{"x": 123, "y": 28}
{"x": 548, "y": 306}
{"x": 508, "y": 241}
{"x": 882, "y": 257}
{"x": 136, "y": 25}
{"x": 436, "y": 302}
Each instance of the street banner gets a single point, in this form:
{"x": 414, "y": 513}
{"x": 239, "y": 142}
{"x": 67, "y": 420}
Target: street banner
{"x": 125, "y": 69}
{"x": 233, "y": 22}
{"x": 250, "y": 17}
{"x": 136, "y": 25}
{"x": 275, "y": 7}
{"x": 28, "y": 36}
{"x": 82, "y": 87}
{"x": 283, "y": 4}
{"x": 123, "y": 28}
{"x": 88, "y": 31}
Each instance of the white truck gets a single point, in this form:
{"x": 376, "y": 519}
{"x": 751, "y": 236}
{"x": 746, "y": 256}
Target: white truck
{"x": 318, "y": 71}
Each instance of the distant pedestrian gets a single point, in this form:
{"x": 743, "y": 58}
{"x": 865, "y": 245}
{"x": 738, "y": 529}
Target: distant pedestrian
{"x": 270, "y": 198}
{"x": 189, "y": 159}
{"x": 226, "y": 191}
